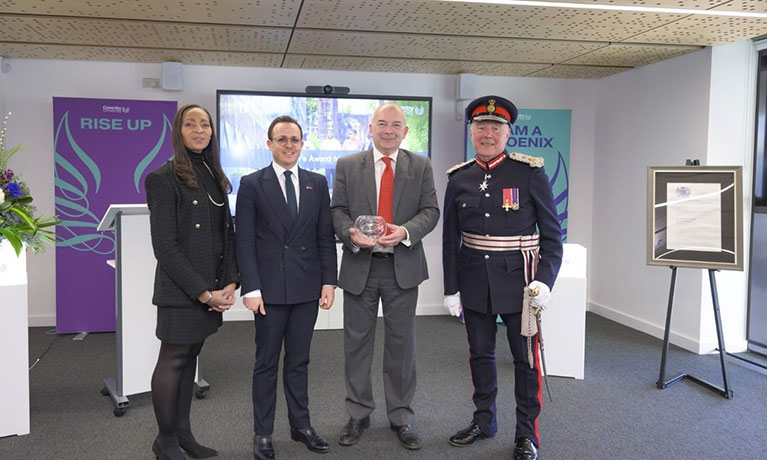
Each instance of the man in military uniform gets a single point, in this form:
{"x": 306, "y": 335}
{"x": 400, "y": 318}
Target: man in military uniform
{"x": 501, "y": 234}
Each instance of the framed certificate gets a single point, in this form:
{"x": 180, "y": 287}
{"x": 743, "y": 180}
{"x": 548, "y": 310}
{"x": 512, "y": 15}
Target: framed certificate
{"x": 695, "y": 216}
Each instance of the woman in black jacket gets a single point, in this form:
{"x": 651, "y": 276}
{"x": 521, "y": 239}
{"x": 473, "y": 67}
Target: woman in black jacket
{"x": 193, "y": 241}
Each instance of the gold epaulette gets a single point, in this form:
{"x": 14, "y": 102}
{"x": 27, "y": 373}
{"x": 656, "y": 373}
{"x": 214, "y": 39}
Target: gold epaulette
{"x": 535, "y": 162}
{"x": 459, "y": 166}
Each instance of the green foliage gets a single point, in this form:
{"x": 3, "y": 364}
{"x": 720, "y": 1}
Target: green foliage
{"x": 19, "y": 223}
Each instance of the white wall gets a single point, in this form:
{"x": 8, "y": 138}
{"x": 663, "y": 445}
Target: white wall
{"x": 700, "y": 106}
{"x": 31, "y": 84}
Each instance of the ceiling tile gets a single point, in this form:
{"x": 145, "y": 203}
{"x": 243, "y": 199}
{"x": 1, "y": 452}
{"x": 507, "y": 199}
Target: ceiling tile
{"x": 486, "y": 20}
{"x": 575, "y": 71}
{"x": 631, "y": 54}
{"x": 705, "y": 30}
{"x": 409, "y": 65}
{"x": 370, "y": 44}
{"x": 250, "y": 12}
{"x": 100, "y": 53}
{"x": 109, "y": 32}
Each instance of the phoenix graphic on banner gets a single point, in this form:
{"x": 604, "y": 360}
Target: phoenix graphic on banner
{"x": 103, "y": 148}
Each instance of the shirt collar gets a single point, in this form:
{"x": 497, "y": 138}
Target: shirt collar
{"x": 279, "y": 170}
{"x": 378, "y": 155}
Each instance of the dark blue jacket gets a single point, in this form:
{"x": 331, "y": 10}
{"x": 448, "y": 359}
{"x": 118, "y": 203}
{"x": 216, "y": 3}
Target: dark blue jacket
{"x": 497, "y": 277}
{"x": 288, "y": 262}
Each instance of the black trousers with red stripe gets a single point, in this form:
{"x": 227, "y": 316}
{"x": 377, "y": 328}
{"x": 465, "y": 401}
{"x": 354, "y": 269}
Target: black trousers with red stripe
{"x": 481, "y": 331}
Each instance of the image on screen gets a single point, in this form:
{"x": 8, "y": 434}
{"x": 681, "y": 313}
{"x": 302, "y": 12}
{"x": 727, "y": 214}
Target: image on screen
{"x": 333, "y": 126}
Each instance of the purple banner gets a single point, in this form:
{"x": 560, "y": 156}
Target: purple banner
{"x": 103, "y": 149}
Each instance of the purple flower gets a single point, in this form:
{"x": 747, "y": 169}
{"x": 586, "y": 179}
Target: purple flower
{"x": 13, "y": 189}
{"x": 7, "y": 175}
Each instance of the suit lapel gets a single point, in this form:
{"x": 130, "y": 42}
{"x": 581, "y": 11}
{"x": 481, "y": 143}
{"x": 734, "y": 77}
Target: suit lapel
{"x": 273, "y": 191}
{"x": 305, "y": 198}
{"x": 401, "y": 172}
{"x": 369, "y": 180}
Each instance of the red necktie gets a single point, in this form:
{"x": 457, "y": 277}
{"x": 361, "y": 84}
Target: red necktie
{"x": 386, "y": 194}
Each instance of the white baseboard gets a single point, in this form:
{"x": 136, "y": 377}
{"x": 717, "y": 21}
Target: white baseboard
{"x": 657, "y": 331}
{"x": 430, "y": 310}
{"x": 42, "y": 320}
{"x": 641, "y": 325}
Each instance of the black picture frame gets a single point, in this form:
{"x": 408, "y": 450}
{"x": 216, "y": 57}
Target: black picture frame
{"x": 727, "y": 183}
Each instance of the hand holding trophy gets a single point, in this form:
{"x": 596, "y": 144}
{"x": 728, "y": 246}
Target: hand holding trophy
{"x": 367, "y": 230}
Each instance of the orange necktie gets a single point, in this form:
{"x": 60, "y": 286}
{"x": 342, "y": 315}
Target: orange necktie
{"x": 386, "y": 194}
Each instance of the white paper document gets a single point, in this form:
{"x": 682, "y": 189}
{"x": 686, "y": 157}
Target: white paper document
{"x": 694, "y": 216}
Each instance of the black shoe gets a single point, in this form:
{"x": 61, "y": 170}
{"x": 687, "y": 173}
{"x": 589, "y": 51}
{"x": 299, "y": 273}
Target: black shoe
{"x": 353, "y": 430}
{"x": 525, "y": 450}
{"x": 313, "y": 441}
{"x": 467, "y": 436}
{"x": 193, "y": 448}
{"x": 407, "y": 436}
{"x": 262, "y": 448}
{"x": 167, "y": 454}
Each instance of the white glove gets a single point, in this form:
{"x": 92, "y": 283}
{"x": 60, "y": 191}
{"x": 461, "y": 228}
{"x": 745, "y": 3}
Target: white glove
{"x": 544, "y": 294}
{"x": 453, "y": 304}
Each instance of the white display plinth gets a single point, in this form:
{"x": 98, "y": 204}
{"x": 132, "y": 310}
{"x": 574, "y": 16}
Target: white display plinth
{"x": 14, "y": 343}
{"x": 564, "y": 322}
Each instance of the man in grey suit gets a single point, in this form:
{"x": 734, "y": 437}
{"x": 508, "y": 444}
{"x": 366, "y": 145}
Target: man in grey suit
{"x": 390, "y": 269}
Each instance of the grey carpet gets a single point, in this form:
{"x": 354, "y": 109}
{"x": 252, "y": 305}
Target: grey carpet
{"x": 614, "y": 413}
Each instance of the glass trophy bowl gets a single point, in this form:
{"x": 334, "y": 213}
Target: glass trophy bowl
{"x": 373, "y": 227}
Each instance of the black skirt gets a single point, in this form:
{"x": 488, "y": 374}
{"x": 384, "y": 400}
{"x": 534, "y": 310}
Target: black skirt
{"x": 192, "y": 323}
{"x": 186, "y": 325}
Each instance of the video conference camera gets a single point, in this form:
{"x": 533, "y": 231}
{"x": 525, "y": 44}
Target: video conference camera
{"x": 327, "y": 89}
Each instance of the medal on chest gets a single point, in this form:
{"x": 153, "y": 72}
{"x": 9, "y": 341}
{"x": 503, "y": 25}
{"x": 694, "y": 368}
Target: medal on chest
{"x": 483, "y": 186}
{"x": 510, "y": 199}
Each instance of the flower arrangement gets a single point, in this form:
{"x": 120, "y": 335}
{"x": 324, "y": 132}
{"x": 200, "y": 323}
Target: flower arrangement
{"x": 19, "y": 223}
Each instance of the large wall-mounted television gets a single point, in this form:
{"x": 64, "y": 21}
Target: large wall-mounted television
{"x": 334, "y": 125}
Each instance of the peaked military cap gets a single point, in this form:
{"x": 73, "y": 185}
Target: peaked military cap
{"x": 491, "y": 108}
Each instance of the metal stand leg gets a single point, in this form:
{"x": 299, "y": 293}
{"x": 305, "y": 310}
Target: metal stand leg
{"x": 661, "y": 384}
{"x": 120, "y": 402}
{"x": 201, "y": 387}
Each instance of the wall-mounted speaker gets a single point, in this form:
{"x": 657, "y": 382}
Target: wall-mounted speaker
{"x": 172, "y": 76}
{"x": 466, "y": 86}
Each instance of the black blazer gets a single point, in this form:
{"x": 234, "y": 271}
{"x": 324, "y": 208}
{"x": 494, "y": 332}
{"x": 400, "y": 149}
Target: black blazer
{"x": 289, "y": 262}
{"x": 181, "y": 232}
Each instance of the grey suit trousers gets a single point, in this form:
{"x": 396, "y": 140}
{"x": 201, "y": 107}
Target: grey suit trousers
{"x": 399, "y": 372}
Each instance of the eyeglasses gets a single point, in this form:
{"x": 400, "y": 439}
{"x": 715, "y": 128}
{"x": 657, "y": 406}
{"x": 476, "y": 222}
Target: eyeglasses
{"x": 283, "y": 141}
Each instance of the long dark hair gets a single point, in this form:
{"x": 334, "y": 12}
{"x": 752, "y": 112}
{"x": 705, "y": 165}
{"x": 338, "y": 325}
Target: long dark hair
{"x": 182, "y": 164}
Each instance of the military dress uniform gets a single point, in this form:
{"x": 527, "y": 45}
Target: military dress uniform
{"x": 501, "y": 232}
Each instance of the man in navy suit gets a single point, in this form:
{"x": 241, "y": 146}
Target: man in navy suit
{"x": 286, "y": 254}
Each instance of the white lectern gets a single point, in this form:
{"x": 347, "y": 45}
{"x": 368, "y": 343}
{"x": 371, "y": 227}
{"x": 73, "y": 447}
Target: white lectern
{"x": 14, "y": 342}
{"x": 135, "y": 316}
